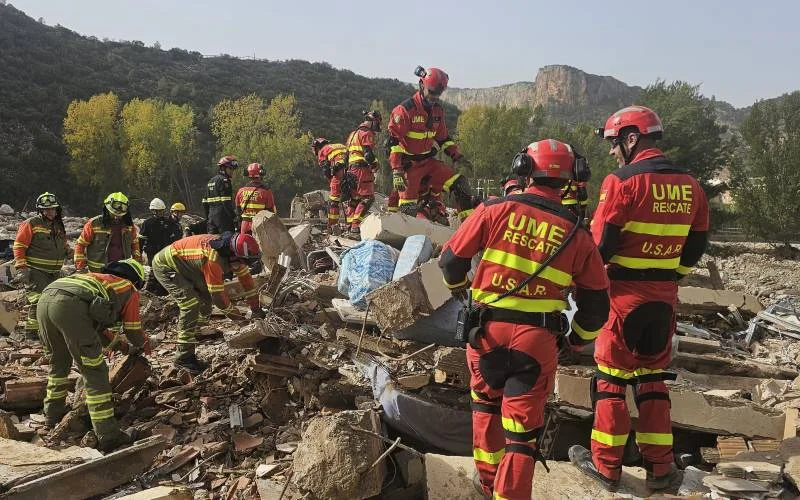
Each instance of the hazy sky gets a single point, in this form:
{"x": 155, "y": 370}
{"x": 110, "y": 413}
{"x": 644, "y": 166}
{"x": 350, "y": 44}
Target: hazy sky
{"x": 738, "y": 50}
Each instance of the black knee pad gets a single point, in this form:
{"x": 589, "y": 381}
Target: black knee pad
{"x": 646, "y": 329}
{"x": 493, "y": 367}
{"x": 525, "y": 371}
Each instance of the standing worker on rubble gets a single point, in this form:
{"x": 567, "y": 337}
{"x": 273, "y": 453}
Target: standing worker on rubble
{"x": 513, "y": 349}
{"x": 39, "y": 252}
{"x": 651, "y": 226}
{"x": 218, "y": 202}
{"x": 108, "y": 237}
{"x": 176, "y": 213}
{"x": 363, "y": 163}
{"x": 414, "y": 126}
{"x": 157, "y": 232}
{"x": 575, "y": 197}
{"x": 191, "y": 270}
{"x": 511, "y": 184}
{"x": 71, "y": 312}
{"x": 253, "y": 198}
{"x": 332, "y": 159}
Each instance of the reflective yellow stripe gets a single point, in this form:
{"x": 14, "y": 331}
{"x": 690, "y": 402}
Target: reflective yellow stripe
{"x": 609, "y": 439}
{"x": 455, "y": 285}
{"x": 51, "y": 395}
{"x": 334, "y": 198}
{"x": 642, "y": 263}
{"x": 465, "y": 213}
{"x": 512, "y": 425}
{"x": 420, "y": 135}
{"x": 407, "y": 201}
{"x": 683, "y": 270}
{"x": 447, "y": 144}
{"x": 449, "y": 182}
{"x": 133, "y": 325}
{"x": 497, "y": 496}
{"x": 655, "y": 229}
{"x": 664, "y": 439}
{"x": 92, "y": 362}
{"x": 57, "y": 380}
{"x": 98, "y": 399}
{"x": 188, "y": 304}
{"x": 19, "y": 244}
{"x": 569, "y": 201}
{"x": 489, "y": 457}
{"x": 101, "y": 414}
{"x": 87, "y": 282}
{"x": 620, "y": 373}
{"x": 585, "y": 334}
{"x": 398, "y": 149}
{"x": 475, "y": 396}
{"x": 526, "y": 266}
{"x": 517, "y": 303}
{"x": 45, "y": 262}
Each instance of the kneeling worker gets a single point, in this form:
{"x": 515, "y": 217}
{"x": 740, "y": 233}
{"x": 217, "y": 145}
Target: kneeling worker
{"x": 71, "y": 312}
{"x": 191, "y": 270}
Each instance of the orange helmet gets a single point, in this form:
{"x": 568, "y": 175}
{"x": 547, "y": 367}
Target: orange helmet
{"x": 255, "y": 171}
{"x": 228, "y": 161}
{"x": 432, "y": 79}
{"x": 545, "y": 158}
{"x": 643, "y": 119}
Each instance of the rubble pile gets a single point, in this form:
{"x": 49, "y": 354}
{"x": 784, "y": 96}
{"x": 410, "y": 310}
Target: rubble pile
{"x": 323, "y": 399}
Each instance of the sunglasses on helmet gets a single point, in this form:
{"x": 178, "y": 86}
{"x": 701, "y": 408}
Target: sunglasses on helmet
{"x": 47, "y": 199}
{"x": 119, "y": 206}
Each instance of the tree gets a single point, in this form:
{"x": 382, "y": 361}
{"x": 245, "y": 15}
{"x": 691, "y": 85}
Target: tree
{"x": 267, "y": 134}
{"x": 383, "y": 179}
{"x": 692, "y": 135}
{"x": 765, "y": 178}
{"x": 91, "y": 138}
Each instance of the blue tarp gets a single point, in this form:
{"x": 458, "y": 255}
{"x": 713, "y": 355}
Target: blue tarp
{"x": 366, "y": 267}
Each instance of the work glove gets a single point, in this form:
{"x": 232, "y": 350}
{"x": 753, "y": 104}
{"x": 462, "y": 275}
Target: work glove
{"x": 464, "y": 163}
{"x": 461, "y": 292}
{"x": 398, "y": 181}
{"x": 23, "y": 276}
{"x": 257, "y": 312}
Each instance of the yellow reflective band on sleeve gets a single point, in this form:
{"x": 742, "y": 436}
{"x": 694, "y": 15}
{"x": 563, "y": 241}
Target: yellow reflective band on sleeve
{"x": 584, "y": 334}
{"x": 333, "y": 216}
{"x": 449, "y": 183}
{"x": 407, "y": 201}
{"x": 518, "y": 303}
{"x": 654, "y": 229}
{"x": 526, "y": 266}
{"x": 334, "y": 198}
{"x": 92, "y": 362}
{"x": 455, "y": 285}
{"x": 132, "y": 325}
{"x": 398, "y": 149}
{"x": 659, "y": 438}
{"x": 497, "y": 496}
{"x": 428, "y": 134}
{"x": 19, "y": 244}
{"x": 465, "y": 213}
{"x": 609, "y": 439}
{"x": 488, "y": 457}
{"x": 684, "y": 270}
{"x": 642, "y": 263}
{"x": 250, "y": 293}
{"x": 215, "y": 288}
{"x": 447, "y": 144}
{"x": 569, "y": 201}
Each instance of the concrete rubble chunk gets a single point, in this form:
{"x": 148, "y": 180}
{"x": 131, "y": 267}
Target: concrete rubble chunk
{"x": 416, "y": 250}
{"x": 235, "y": 290}
{"x": 393, "y": 229}
{"x": 274, "y": 239}
{"x": 333, "y": 461}
{"x": 9, "y": 312}
{"x": 161, "y": 493}
{"x": 695, "y": 299}
{"x": 690, "y": 409}
{"x": 399, "y": 304}
{"x": 251, "y": 334}
{"x": 128, "y": 372}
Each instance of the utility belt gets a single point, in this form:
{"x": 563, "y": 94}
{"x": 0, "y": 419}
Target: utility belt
{"x": 421, "y": 156}
{"x": 617, "y": 273}
{"x": 472, "y": 320}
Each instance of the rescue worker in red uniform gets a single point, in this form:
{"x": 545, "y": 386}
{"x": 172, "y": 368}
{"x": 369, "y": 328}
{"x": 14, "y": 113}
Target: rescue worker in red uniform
{"x": 651, "y": 226}
{"x": 362, "y": 162}
{"x": 414, "y": 126}
{"x": 332, "y": 159}
{"x": 512, "y": 365}
{"x": 575, "y": 197}
{"x": 253, "y": 198}
{"x": 511, "y": 185}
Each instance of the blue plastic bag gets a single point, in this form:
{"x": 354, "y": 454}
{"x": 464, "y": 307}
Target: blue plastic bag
{"x": 366, "y": 267}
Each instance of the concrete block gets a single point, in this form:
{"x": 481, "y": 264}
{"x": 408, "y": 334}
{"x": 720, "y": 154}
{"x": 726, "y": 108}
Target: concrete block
{"x": 274, "y": 239}
{"x": 9, "y": 309}
{"x": 411, "y": 467}
{"x": 161, "y": 493}
{"x": 300, "y": 234}
{"x": 416, "y": 250}
{"x": 690, "y": 409}
{"x": 393, "y": 229}
{"x": 694, "y": 299}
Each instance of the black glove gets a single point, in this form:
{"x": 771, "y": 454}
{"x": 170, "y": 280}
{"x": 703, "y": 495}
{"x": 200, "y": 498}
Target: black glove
{"x": 461, "y": 292}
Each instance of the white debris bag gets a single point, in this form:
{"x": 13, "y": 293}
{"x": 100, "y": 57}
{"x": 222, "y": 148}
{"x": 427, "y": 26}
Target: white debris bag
{"x": 366, "y": 267}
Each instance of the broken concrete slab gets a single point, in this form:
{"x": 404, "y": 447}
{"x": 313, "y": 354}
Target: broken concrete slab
{"x": 393, "y": 229}
{"x": 706, "y": 363}
{"x": 335, "y": 461}
{"x": 400, "y": 304}
{"x": 748, "y": 469}
{"x": 251, "y": 334}
{"x": 350, "y": 314}
{"x": 416, "y": 250}
{"x": 270, "y": 292}
{"x": 697, "y": 345}
{"x": 129, "y": 372}
{"x": 300, "y": 234}
{"x": 9, "y": 309}
{"x": 694, "y": 299}
{"x": 690, "y": 409}
{"x": 22, "y": 393}
{"x": 161, "y": 493}
{"x": 274, "y": 239}
{"x": 94, "y": 477}
{"x": 451, "y": 477}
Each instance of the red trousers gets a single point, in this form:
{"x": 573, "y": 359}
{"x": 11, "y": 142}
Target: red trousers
{"x": 362, "y": 199}
{"x": 512, "y": 375}
{"x": 335, "y": 199}
{"x": 440, "y": 175}
{"x": 393, "y": 201}
{"x": 633, "y": 348}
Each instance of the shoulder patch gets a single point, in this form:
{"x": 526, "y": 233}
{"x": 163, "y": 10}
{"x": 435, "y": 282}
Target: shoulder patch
{"x": 603, "y": 194}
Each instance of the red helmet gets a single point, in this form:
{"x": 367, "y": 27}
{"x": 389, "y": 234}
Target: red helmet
{"x": 255, "y": 170}
{"x": 545, "y": 158}
{"x": 643, "y": 119}
{"x": 433, "y": 79}
{"x": 228, "y": 161}
{"x": 372, "y": 120}
{"x": 318, "y": 143}
{"x": 511, "y": 184}
{"x": 244, "y": 246}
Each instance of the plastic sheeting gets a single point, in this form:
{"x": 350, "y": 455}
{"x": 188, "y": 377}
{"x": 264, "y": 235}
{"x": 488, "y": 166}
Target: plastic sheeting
{"x": 366, "y": 267}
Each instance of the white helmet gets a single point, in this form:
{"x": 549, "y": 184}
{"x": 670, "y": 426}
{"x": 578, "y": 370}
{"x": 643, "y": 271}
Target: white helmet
{"x": 157, "y": 204}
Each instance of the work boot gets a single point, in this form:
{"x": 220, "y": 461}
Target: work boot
{"x": 582, "y": 459}
{"x": 114, "y": 440}
{"x": 478, "y": 485}
{"x": 189, "y": 362}
{"x": 661, "y": 482}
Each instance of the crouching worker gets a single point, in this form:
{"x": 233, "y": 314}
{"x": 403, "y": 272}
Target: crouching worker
{"x": 72, "y": 311}
{"x": 191, "y": 270}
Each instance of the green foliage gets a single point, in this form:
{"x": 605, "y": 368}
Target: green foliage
{"x": 692, "y": 133}
{"x": 765, "y": 180}
{"x": 267, "y": 134}
{"x": 383, "y": 179}
{"x": 490, "y": 137}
